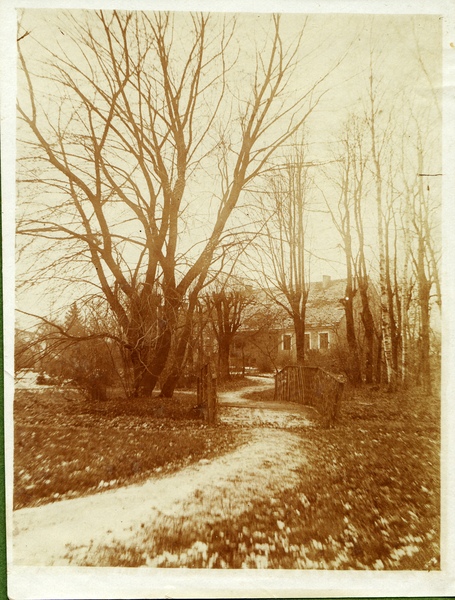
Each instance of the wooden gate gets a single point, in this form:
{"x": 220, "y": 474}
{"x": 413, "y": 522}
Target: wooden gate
{"x": 207, "y": 398}
{"x": 311, "y": 386}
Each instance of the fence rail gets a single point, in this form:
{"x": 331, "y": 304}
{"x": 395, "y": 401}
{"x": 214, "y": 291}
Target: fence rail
{"x": 310, "y": 386}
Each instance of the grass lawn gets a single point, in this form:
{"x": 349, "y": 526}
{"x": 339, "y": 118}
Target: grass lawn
{"x": 67, "y": 447}
{"x": 368, "y": 498}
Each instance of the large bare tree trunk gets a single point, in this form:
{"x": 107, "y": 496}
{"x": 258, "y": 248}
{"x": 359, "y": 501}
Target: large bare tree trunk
{"x": 178, "y": 360}
{"x": 299, "y": 329}
{"x": 154, "y": 367}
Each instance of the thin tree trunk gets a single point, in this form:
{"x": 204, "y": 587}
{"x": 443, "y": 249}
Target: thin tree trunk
{"x": 404, "y": 332}
{"x": 369, "y": 329}
{"x": 424, "y": 283}
{"x": 390, "y": 302}
{"x": 399, "y": 321}
{"x": 405, "y": 290}
{"x": 386, "y": 320}
{"x": 378, "y": 375}
{"x": 362, "y": 276}
{"x": 425, "y": 367}
{"x": 356, "y": 375}
{"x": 424, "y": 305}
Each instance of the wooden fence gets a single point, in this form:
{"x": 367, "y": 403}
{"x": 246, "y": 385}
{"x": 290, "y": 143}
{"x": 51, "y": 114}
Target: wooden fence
{"x": 311, "y": 386}
{"x": 289, "y": 385}
{"x": 207, "y": 398}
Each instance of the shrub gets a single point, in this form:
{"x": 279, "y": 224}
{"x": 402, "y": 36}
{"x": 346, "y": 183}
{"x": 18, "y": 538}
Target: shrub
{"x": 265, "y": 365}
{"x": 41, "y": 380}
{"x": 328, "y": 360}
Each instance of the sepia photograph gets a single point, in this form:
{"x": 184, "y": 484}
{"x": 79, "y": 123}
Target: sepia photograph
{"x": 230, "y": 348}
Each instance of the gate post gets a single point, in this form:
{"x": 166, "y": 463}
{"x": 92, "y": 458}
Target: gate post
{"x": 212, "y": 398}
{"x": 207, "y": 393}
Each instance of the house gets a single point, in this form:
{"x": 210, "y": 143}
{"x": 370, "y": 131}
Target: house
{"x": 272, "y": 344}
{"x": 324, "y": 319}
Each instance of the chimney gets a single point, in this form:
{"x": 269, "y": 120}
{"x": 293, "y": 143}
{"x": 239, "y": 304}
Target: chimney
{"x": 325, "y": 281}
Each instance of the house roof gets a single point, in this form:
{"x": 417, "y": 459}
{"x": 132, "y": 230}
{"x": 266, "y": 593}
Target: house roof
{"x": 324, "y": 307}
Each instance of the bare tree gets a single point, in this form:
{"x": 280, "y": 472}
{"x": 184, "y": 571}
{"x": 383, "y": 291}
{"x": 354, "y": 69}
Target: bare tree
{"x": 421, "y": 210}
{"x": 414, "y": 236}
{"x": 132, "y": 118}
{"x": 360, "y": 192}
{"x": 282, "y": 253}
{"x": 406, "y": 289}
{"x": 380, "y": 137}
{"x": 349, "y": 181}
{"x": 226, "y": 308}
{"x": 391, "y": 235}
{"x": 421, "y": 174}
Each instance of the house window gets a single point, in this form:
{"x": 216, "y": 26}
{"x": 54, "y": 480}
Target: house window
{"x": 287, "y": 342}
{"x": 323, "y": 341}
{"x": 307, "y": 342}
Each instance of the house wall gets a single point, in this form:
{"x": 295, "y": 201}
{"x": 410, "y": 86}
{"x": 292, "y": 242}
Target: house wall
{"x": 268, "y": 350}
{"x": 316, "y": 342}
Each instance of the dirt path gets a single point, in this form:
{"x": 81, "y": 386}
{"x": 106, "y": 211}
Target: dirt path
{"x": 70, "y": 531}
{"x": 238, "y": 396}
{"x": 259, "y": 412}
